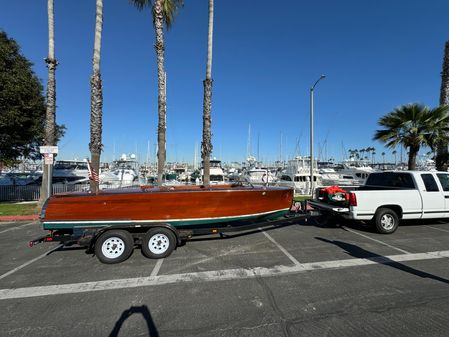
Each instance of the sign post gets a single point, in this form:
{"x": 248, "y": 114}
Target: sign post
{"x": 49, "y": 152}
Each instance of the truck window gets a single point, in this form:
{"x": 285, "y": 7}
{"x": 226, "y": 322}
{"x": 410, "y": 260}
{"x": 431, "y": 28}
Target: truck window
{"x": 391, "y": 179}
{"x": 444, "y": 180}
{"x": 429, "y": 182}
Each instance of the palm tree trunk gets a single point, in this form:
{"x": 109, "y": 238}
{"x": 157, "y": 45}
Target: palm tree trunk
{"x": 442, "y": 157}
{"x": 206, "y": 145}
{"x": 444, "y": 93}
{"x": 162, "y": 104}
{"x": 50, "y": 123}
{"x": 96, "y": 100}
{"x": 412, "y": 157}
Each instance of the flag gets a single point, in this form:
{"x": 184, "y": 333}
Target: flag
{"x": 92, "y": 174}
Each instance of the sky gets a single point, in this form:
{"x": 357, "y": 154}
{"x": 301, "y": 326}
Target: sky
{"x": 376, "y": 55}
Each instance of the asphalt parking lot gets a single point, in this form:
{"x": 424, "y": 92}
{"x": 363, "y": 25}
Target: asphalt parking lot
{"x": 308, "y": 278}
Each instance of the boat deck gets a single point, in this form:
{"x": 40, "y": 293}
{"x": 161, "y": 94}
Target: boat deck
{"x": 174, "y": 188}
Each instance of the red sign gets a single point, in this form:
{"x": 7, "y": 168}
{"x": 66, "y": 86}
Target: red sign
{"x": 48, "y": 158}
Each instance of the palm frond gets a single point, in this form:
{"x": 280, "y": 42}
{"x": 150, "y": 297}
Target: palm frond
{"x": 169, "y": 10}
{"x": 141, "y": 4}
{"x": 414, "y": 125}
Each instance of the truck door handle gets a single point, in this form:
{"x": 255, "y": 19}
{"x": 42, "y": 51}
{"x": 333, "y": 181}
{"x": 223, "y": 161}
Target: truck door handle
{"x": 446, "y": 197}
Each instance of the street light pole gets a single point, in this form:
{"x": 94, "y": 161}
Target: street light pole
{"x": 311, "y": 133}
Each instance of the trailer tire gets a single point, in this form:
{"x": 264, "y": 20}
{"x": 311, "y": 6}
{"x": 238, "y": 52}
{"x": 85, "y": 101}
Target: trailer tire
{"x": 114, "y": 246}
{"x": 158, "y": 243}
{"x": 386, "y": 221}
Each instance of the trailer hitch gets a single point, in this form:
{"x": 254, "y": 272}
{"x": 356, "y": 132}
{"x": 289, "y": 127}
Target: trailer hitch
{"x": 46, "y": 238}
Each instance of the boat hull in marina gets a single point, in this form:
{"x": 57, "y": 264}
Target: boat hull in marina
{"x": 178, "y": 206}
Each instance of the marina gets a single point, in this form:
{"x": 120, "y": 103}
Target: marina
{"x": 72, "y": 175}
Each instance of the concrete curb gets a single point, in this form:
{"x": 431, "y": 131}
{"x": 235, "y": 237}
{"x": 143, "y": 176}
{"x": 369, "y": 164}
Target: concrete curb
{"x": 33, "y": 217}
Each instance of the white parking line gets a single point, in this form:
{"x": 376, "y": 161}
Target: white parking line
{"x": 282, "y": 249}
{"x": 375, "y": 240}
{"x": 29, "y": 262}
{"x": 210, "y": 276}
{"x": 14, "y": 228}
{"x": 438, "y": 229}
{"x": 157, "y": 267}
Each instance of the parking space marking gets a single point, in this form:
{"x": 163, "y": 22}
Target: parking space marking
{"x": 282, "y": 249}
{"x": 211, "y": 276}
{"x": 157, "y": 267}
{"x": 438, "y": 229}
{"x": 14, "y": 228}
{"x": 29, "y": 262}
{"x": 375, "y": 240}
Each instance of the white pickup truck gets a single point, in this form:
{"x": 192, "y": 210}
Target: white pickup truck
{"x": 388, "y": 197}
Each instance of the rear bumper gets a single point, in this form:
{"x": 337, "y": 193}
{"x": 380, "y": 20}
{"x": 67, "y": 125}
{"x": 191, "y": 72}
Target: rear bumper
{"x": 321, "y": 206}
{"x": 345, "y": 212}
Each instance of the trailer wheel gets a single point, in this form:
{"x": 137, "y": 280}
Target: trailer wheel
{"x": 114, "y": 246}
{"x": 158, "y": 243}
{"x": 386, "y": 221}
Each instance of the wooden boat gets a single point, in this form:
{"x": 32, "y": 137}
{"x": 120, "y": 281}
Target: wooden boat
{"x": 178, "y": 206}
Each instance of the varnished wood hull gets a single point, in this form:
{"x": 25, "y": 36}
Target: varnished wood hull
{"x": 178, "y": 206}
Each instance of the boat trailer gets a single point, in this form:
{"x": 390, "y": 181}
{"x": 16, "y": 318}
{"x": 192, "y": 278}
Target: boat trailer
{"x": 114, "y": 244}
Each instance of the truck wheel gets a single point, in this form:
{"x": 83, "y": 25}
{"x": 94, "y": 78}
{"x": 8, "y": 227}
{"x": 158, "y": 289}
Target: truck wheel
{"x": 114, "y": 246}
{"x": 158, "y": 243}
{"x": 386, "y": 221}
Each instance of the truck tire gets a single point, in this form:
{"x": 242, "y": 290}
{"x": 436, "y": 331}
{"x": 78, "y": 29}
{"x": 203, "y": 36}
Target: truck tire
{"x": 386, "y": 221}
{"x": 114, "y": 246}
{"x": 158, "y": 243}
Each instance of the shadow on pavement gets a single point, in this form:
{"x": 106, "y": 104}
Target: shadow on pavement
{"x": 143, "y": 310}
{"x": 361, "y": 253}
{"x": 366, "y": 226}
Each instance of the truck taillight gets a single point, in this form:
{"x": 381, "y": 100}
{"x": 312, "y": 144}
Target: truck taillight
{"x": 352, "y": 199}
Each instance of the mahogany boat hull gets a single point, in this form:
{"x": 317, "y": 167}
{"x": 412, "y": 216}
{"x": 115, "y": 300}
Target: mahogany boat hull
{"x": 178, "y": 206}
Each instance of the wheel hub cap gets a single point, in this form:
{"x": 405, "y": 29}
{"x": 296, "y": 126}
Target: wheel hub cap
{"x": 113, "y": 247}
{"x": 387, "y": 221}
{"x": 158, "y": 243}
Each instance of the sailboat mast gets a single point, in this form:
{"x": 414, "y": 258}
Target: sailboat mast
{"x": 248, "y": 147}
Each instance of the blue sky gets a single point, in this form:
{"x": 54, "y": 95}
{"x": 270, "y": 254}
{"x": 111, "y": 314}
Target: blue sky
{"x": 376, "y": 55}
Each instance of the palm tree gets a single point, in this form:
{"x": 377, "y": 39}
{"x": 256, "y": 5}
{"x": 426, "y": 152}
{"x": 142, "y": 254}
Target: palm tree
{"x": 394, "y": 153}
{"x": 50, "y": 116}
{"x": 206, "y": 146}
{"x": 350, "y": 153}
{"x": 353, "y": 154}
{"x": 413, "y": 125}
{"x": 441, "y": 160}
{"x": 96, "y": 100}
{"x": 362, "y": 153}
{"x": 444, "y": 92}
{"x": 372, "y": 150}
{"x": 163, "y": 12}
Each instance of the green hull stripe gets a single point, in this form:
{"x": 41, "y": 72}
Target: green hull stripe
{"x": 178, "y": 223}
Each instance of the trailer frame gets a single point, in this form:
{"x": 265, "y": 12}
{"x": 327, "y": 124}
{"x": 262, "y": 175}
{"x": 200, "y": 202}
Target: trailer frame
{"x": 88, "y": 236}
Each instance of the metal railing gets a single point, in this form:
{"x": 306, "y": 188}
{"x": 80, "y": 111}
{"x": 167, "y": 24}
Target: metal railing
{"x": 32, "y": 192}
